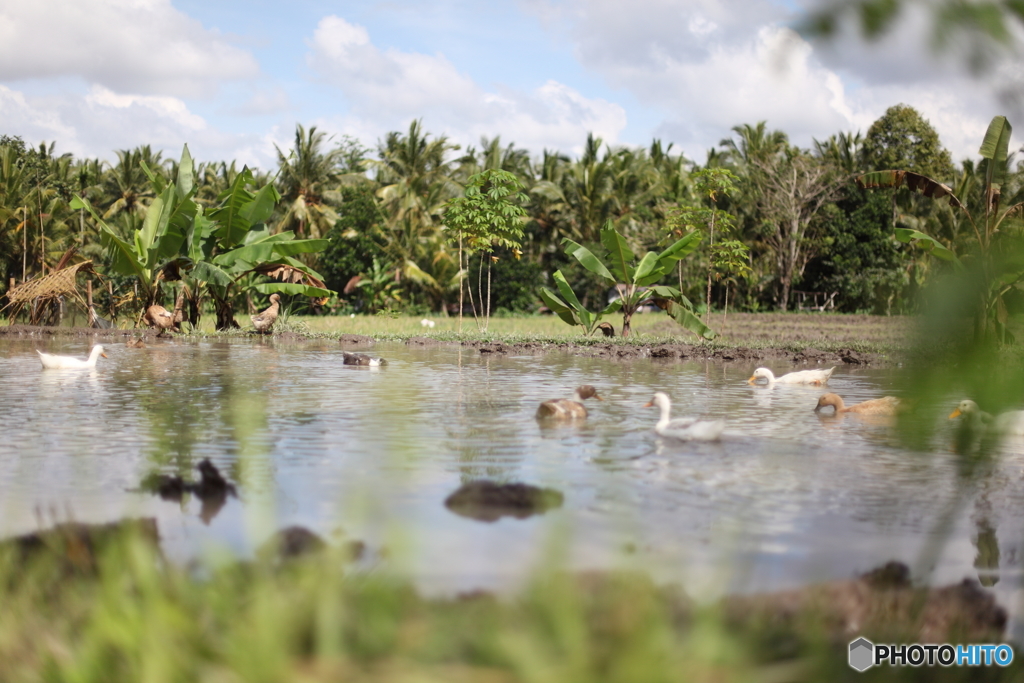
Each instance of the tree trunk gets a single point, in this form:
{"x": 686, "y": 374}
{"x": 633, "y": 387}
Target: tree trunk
{"x": 225, "y": 314}
{"x": 627, "y": 316}
{"x": 462, "y": 287}
{"x": 487, "y": 312}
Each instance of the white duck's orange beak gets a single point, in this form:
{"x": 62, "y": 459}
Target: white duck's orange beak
{"x": 955, "y": 414}
{"x": 105, "y": 355}
{"x": 648, "y": 404}
{"x": 752, "y": 380}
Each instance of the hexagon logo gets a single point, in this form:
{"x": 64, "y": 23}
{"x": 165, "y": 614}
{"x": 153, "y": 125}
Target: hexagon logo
{"x": 862, "y": 654}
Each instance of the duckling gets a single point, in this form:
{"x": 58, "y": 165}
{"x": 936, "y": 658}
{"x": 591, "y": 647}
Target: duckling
{"x": 263, "y": 322}
{"x": 568, "y": 409}
{"x": 683, "y": 428}
{"x": 801, "y": 377}
{"x": 361, "y": 359}
{"x": 135, "y": 343}
{"x": 888, "y": 405}
{"x": 159, "y": 317}
{"x": 607, "y": 329}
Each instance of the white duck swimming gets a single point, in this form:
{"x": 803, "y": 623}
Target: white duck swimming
{"x": 800, "y": 377}
{"x": 52, "y": 362}
{"x": 1010, "y": 423}
{"x": 683, "y": 428}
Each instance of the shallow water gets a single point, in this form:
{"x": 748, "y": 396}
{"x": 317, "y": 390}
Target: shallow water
{"x": 786, "y": 498}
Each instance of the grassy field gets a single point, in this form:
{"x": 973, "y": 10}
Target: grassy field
{"x": 870, "y": 333}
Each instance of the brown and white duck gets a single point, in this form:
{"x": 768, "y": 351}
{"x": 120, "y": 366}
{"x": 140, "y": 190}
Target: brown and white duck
{"x": 887, "y": 405}
{"x": 159, "y": 317}
{"x": 566, "y": 408}
{"x": 348, "y": 358}
{"x": 264, "y": 322}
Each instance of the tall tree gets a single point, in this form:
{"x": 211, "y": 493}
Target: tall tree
{"x": 414, "y": 174}
{"x": 308, "y": 177}
{"x": 902, "y": 138}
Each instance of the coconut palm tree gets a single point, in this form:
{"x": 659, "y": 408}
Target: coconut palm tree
{"x": 308, "y": 179}
{"x": 415, "y": 179}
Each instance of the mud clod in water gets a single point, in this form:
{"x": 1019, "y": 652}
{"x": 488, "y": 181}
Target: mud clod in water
{"x": 75, "y": 546}
{"x": 489, "y": 501}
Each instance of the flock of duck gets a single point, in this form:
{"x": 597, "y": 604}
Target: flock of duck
{"x": 1010, "y": 423}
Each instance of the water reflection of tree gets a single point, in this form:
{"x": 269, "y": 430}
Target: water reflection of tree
{"x": 986, "y": 541}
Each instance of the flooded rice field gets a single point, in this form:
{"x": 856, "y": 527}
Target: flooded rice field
{"x": 787, "y": 497}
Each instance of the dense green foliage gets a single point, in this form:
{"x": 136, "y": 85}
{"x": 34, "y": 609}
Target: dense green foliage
{"x": 800, "y": 223}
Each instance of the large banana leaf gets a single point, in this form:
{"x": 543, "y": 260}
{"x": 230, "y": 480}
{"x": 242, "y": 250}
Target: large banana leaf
{"x": 994, "y": 148}
{"x": 571, "y": 310}
{"x": 291, "y": 288}
{"x": 560, "y": 308}
{"x": 566, "y": 291}
{"x": 589, "y": 261}
{"x": 127, "y": 258}
{"x": 233, "y": 227}
{"x": 619, "y": 254}
{"x": 928, "y": 243}
{"x": 680, "y": 308}
{"x": 915, "y": 181}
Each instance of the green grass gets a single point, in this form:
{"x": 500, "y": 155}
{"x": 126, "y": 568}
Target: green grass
{"x": 126, "y": 615}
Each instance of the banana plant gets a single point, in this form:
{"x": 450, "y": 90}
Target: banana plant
{"x": 993, "y": 254}
{"x": 212, "y": 251}
{"x": 234, "y": 243}
{"x": 155, "y": 249}
{"x": 636, "y": 281}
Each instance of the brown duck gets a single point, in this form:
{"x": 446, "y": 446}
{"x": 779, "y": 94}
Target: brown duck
{"x": 888, "y": 405}
{"x": 159, "y": 317}
{"x": 568, "y": 409}
{"x": 263, "y": 322}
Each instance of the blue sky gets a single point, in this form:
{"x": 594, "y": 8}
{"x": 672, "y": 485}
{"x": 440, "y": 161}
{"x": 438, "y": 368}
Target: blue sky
{"x": 232, "y": 79}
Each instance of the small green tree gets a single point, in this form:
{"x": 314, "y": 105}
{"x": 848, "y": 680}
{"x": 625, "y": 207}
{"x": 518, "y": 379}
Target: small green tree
{"x": 710, "y": 184}
{"x": 634, "y": 280}
{"x": 730, "y": 259}
{"x": 489, "y": 215}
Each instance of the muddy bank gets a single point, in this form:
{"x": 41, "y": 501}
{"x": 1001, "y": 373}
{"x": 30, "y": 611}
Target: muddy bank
{"x": 690, "y": 352}
{"x": 21, "y": 331}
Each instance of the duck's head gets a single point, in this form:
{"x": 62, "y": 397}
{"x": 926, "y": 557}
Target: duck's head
{"x": 966, "y": 407}
{"x": 826, "y": 400}
{"x": 98, "y": 351}
{"x": 275, "y": 298}
{"x": 660, "y": 399}
{"x": 761, "y": 373}
{"x": 587, "y": 391}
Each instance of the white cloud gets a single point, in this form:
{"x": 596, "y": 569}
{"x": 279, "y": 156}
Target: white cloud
{"x": 709, "y": 65}
{"x": 137, "y": 46}
{"x": 96, "y": 123}
{"x": 388, "y": 88}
